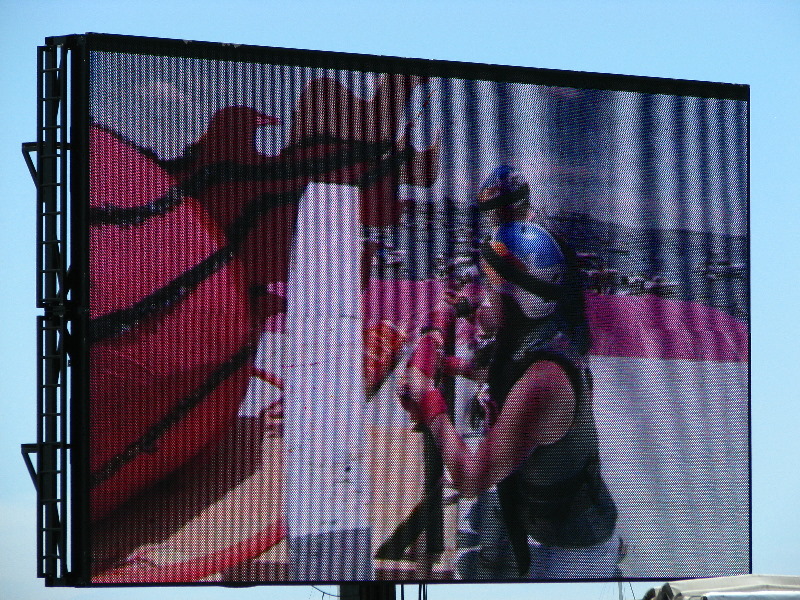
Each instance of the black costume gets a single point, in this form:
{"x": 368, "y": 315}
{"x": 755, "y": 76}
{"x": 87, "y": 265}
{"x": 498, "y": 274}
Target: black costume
{"x": 557, "y": 495}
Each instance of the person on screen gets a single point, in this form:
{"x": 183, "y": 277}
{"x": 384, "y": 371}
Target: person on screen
{"x": 505, "y": 196}
{"x": 545, "y": 511}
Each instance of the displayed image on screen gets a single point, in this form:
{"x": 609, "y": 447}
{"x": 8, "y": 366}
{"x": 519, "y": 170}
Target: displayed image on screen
{"x": 404, "y": 324}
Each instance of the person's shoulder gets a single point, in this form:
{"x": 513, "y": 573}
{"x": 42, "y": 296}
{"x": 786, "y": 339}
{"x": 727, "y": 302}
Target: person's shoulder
{"x": 545, "y": 396}
{"x": 547, "y": 373}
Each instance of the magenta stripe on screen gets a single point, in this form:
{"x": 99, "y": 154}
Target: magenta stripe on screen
{"x": 643, "y": 326}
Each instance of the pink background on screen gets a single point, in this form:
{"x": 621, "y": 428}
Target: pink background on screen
{"x": 643, "y": 326}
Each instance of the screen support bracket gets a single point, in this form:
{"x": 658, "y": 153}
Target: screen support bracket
{"x": 50, "y": 174}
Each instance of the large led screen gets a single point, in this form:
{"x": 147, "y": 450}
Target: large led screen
{"x": 359, "y": 318}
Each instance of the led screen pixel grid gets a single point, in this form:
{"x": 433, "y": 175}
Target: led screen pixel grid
{"x": 281, "y": 389}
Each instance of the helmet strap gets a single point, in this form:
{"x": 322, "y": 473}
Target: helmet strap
{"x": 504, "y": 199}
{"x": 544, "y": 289}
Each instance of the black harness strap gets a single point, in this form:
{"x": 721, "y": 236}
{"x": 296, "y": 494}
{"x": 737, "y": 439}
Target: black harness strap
{"x": 534, "y": 285}
{"x": 504, "y": 199}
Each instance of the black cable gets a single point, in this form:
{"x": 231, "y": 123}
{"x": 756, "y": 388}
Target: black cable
{"x": 324, "y": 593}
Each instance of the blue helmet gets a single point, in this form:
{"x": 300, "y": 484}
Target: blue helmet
{"x": 525, "y": 262}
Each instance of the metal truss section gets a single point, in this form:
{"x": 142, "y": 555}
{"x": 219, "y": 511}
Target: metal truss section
{"x": 50, "y": 173}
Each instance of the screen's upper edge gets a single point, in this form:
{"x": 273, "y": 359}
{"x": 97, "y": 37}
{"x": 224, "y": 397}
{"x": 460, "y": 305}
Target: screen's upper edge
{"x": 411, "y": 66}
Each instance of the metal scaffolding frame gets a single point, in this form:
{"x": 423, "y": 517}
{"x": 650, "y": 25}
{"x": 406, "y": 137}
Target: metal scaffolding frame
{"x": 50, "y": 172}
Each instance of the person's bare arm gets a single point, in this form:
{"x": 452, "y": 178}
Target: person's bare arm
{"x": 538, "y": 411}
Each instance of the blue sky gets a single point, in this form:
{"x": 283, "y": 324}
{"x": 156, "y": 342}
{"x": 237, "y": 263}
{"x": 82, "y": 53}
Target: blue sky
{"x": 734, "y": 41}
